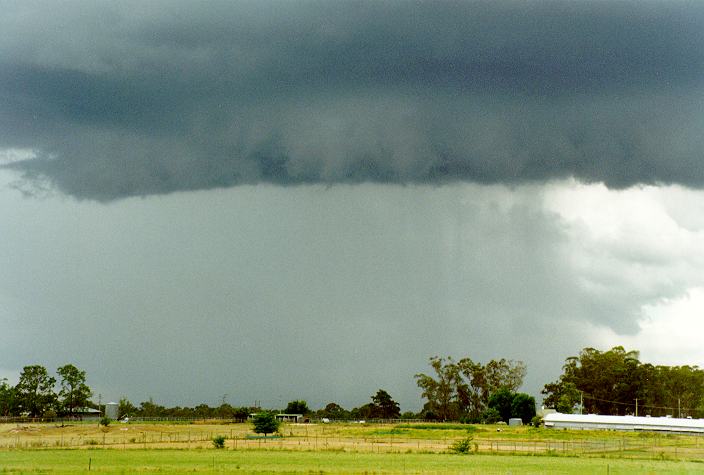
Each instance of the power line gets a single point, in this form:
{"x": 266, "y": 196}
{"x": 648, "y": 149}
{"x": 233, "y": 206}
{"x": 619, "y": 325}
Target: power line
{"x": 593, "y": 398}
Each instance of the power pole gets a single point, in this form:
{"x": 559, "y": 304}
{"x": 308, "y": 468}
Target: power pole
{"x": 636, "y": 407}
{"x": 581, "y": 402}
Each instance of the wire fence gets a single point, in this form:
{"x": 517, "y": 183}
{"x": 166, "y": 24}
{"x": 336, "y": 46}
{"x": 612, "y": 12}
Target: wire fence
{"x": 648, "y": 446}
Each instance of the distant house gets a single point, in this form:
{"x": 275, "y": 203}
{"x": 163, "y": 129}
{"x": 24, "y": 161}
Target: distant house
{"x": 290, "y": 417}
{"x": 86, "y": 413}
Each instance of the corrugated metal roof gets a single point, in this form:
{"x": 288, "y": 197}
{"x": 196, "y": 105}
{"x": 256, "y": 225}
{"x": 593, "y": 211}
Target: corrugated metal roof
{"x": 589, "y": 421}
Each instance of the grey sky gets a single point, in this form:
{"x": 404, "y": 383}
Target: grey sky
{"x": 122, "y": 99}
{"x": 448, "y": 159}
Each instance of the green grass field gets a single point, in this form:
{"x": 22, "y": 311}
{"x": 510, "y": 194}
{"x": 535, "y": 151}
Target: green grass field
{"x": 283, "y": 461}
{"x": 341, "y": 448}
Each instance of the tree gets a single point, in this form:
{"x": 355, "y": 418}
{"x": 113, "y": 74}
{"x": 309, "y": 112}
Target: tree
{"x": 151, "y": 409}
{"x": 491, "y": 416}
{"x": 241, "y": 413}
{"x": 484, "y": 380}
{"x": 203, "y": 411}
{"x": 35, "y": 393}
{"x": 225, "y": 411}
{"x": 125, "y": 408}
{"x": 265, "y": 423}
{"x": 386, "y": 407}
{"x": 501, "y": 401}
{"x": 74, "y": 392}
{"x": 523, "y": 406}
{"x": 562, "y": 396}
{"x": 441, "y": 392}
{"x": 333, "y": 411}
{"x": 297, "y": 407}
{"x": 367, "y": 411}
{"x": 461, "y": 389}
{"x": 7, "y": 398}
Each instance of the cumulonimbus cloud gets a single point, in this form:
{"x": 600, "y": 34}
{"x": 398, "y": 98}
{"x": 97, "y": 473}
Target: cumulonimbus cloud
{"x": 129, "y": 99}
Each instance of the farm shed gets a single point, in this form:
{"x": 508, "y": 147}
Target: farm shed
{"x": 290, "y": 417}
{"x": 86, "y": 413}
{"x": 593, "y": 421}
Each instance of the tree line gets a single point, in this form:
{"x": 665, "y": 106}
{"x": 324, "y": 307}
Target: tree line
{"x": 37, "y": 394}
{"x": 612, "y": 382}
{"x": 615, "y": 382}
{"x": 382, "y": 406}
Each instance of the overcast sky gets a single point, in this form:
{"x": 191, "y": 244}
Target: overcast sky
{"x": 284, "y": 200}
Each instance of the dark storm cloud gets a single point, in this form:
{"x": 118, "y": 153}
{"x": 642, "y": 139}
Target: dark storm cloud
{"x": 136, "y": 99}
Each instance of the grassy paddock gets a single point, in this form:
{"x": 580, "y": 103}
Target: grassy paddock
{"x": 284, "y": 461}
{"x": 343, "y": 448}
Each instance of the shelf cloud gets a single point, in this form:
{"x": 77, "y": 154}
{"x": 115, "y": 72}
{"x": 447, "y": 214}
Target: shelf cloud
{"x": 136, "y": 99}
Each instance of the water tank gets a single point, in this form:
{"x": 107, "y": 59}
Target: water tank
{"x": 111, "y": 410}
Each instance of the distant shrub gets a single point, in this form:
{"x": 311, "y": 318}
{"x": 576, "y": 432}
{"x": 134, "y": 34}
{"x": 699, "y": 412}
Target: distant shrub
{"x": 105, "y": 421}
{"x": 536, "y": 421}
{"x": 219, "y": 441}
{"x": 462, "y": 446}
{"x": 491, "y": 416}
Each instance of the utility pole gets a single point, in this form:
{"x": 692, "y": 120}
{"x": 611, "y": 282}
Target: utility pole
{"x": 581, "y": 402}
{"x": 679, "y": 411}
{"x": 636, "y": 407}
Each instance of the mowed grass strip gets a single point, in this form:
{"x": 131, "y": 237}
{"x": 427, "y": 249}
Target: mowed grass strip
{"x": 262, "y": 461}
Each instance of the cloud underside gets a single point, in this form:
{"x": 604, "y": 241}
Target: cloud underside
{"x": 140, "y": 100}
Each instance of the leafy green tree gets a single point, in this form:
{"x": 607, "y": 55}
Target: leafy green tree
{"x": 481, "y": 381}
{"x": 8, "y": 403}
{"x": 265, "y": 423}
{"x": 562, "y": 396}
{"x": 385, "y": 406}
{"x": 523, "y": 406}
{"x": 125, "y": 408}
{"x": 491, "y": 416}
{"x": 461, "y": 390}
{"x": 74, "y": 391}
{"x": 225, "y": 411}
{"x": 35, "y": 393}
{"x": 203, "y": 411}
{"x": 501, "y": 401}
{"x": 333, "y": 411}
{"x": 367, "y": 411}
{"x": 151, "y": 409}
{"x": 297, "y": 407}
{"x": 441, "y": 392}
{"x": 241, "y": 413}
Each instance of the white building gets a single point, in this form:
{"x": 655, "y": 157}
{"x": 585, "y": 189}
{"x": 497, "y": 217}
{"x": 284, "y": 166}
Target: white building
{"x": 596, "y": 422}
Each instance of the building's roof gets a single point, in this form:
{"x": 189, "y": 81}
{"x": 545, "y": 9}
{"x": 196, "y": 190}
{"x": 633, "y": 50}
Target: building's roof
{"x": 624, "y": 422}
